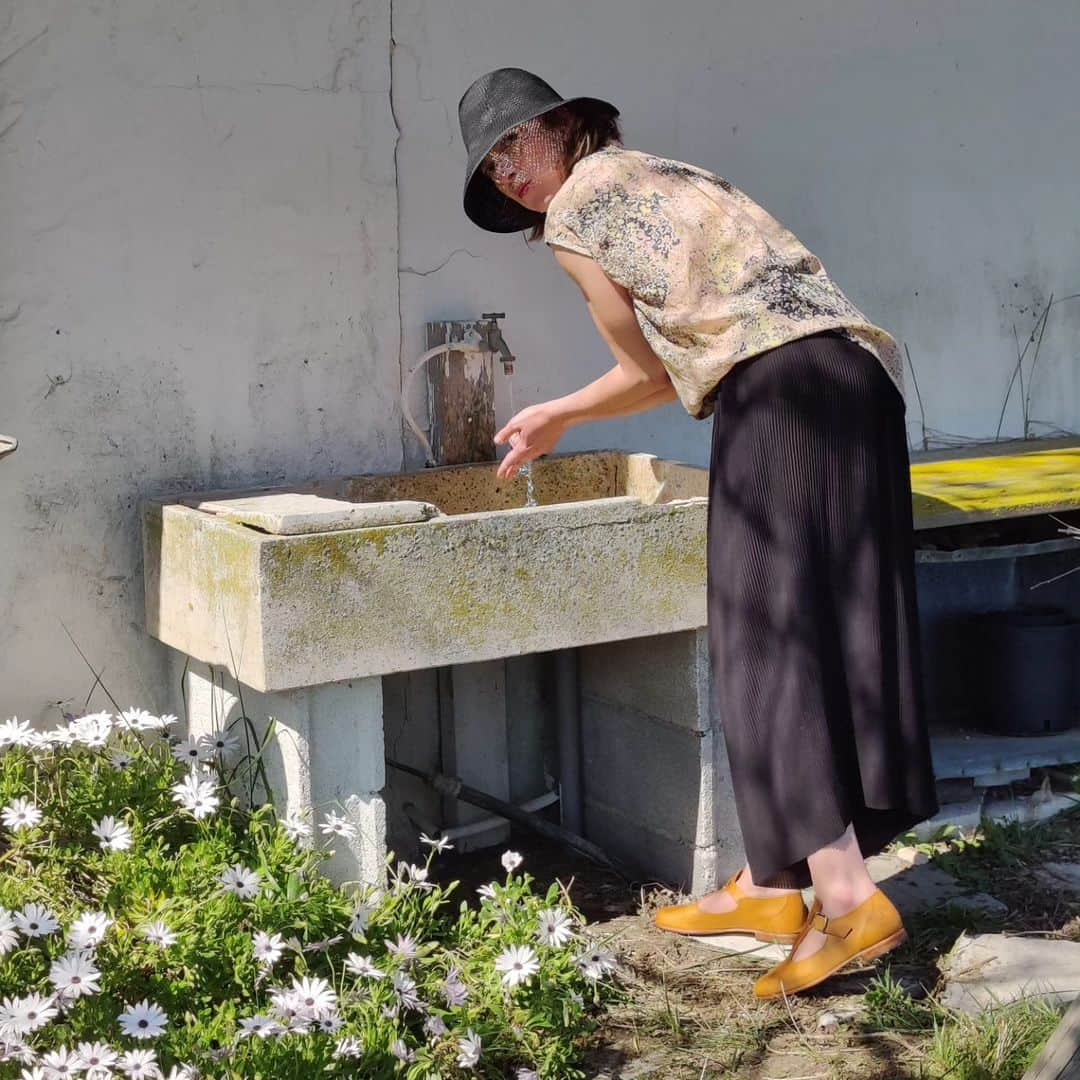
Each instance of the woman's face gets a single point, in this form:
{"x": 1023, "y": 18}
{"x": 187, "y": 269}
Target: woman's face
{"x": 528, "y": 163}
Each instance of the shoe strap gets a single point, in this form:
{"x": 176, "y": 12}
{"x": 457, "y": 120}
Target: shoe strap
{"x": 821, "y": 923}
{"x": 732, "y": 886}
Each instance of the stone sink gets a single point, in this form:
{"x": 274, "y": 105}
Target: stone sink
{"x": 368, "y": 575}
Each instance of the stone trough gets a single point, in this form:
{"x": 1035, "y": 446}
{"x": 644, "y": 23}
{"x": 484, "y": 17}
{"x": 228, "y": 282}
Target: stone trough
{"x": 307, "y": 596}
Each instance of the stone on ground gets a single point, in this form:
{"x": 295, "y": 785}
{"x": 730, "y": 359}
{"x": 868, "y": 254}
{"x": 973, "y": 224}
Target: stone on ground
{"x": 925, "y": 886}
{"x": 985, "y": 971}
{"x": 1060, "y": 877}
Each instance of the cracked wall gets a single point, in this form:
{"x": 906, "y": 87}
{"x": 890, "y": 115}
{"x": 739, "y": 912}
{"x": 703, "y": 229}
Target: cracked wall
{"x": 206, "y": 264}
{"x": 198, "y": 288}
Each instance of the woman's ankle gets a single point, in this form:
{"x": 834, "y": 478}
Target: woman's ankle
{"x": 747, "y": 884}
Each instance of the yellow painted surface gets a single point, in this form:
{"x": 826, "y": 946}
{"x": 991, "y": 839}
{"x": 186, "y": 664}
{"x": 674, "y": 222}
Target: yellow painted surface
{"x": 970, "y": 489}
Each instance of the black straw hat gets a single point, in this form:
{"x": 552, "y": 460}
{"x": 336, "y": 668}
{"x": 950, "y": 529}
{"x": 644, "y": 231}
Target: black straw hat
{"x": 495, "y": 103}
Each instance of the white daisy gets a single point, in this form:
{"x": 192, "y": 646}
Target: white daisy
{"x": 259, "y": 1027}
{"x": 361, "y": 965}
{"x": 468, "y": 1049}
{"x": 190, "y": 750}
{"x": 329, "y": 1024}
{"x": 526, "y": 1074}
{"x": 113, "y": 835}
{"x": 15, "y": 732}
{"x": 453, "y": 989}
{"x": 88, "y": 930}
{"x": 92, "y": 730}
{"x": 218, "y": 742}
{"x": 60, "y": 1063}
{"x": 405, "y": 988}
{"x": 97, "y": 1058}
{"x": 140, "y": 1065}
{"x": 337, "y": 825}
{"x": 418, "y": 875}
{"x": 518, "y": 964}
{"x": 143, "y": 1021}
{"x": 596, "y": 962}
{"x": 136, "y": 720}
{"x": 401, "y": 1051}
{"x": 267, "y": 948}
{"x": 196, "y": 796}
{"x": 487, "y": 892}
{"x": 74, "y": 975}
{"x": 555, "y": 927}
{"x": 9, "y": 937}
{"x": 20, "y": 1016}
{"x": 120, "y": 760}
{"x": 296, "y": 828}
{"x": 158, "y": 933}
{"x": 36, "y": 921}
{"x": 21, "y": 814}
{"x": 313, "y": 997}
{"x": 511, "y": 860}
{"x": 241, "y": 882}
{"x": 440, "y": 844}
{"x": 183, "y": 1072}
{"x": 434, "y": 1027}
{"x": 166, "y": 720}
{"x": 405, "y": 948}
{"x": 349, "y": 1047}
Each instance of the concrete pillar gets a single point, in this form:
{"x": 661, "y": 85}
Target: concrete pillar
{"x": 326, "y": 755}
{"x": 657, "y": 788}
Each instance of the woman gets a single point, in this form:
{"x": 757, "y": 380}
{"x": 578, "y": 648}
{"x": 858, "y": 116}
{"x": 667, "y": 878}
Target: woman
{"x": 705, "y": 298}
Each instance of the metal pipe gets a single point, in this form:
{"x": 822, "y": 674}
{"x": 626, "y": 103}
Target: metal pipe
{"x": 453, "y": 786}
{"x": 455, "y": 832}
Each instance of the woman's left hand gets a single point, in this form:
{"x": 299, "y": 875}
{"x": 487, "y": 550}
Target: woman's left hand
{"x": 531, "y": 432}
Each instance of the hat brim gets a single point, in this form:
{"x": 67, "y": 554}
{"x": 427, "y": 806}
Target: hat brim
{"x": 485, "y": 204}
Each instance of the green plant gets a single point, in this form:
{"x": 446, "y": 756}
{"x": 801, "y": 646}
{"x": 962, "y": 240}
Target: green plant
{"x": 996, "y": 1045}
{"x": 152, "y": 924}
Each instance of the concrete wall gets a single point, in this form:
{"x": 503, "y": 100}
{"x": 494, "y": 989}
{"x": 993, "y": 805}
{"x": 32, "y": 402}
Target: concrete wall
{"x": 198, "y": 237}
{"x": 203, "y": 247}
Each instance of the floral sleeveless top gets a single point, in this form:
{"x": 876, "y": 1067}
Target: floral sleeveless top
{"x": 714, "y": 278}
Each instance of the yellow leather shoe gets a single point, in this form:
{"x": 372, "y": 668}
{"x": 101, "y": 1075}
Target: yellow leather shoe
{"x": 774, "y": 918}
{"x": 865, "y": 933}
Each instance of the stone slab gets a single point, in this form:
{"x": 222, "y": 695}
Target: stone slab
{"x": 290, "y": 513}
{"x": 747, "y": 945}
{"x": 985, "y": 971}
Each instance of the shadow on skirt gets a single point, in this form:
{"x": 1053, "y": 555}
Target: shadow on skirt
{"x": 813, "y": 628}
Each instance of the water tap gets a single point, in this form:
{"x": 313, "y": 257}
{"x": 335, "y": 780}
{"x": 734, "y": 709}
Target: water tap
{"x": 492, "y": 333}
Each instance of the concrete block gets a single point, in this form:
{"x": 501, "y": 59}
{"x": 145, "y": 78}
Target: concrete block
{"x": 649, "y": 772}
{"x": 326, "y": 754}
{"x": 665, "y": 676}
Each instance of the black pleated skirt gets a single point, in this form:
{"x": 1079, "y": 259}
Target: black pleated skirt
{"x": 813, "y": 627}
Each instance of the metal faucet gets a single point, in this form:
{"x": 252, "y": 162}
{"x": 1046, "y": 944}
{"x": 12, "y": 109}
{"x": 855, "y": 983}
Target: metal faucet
{"x": 493, "y": 339}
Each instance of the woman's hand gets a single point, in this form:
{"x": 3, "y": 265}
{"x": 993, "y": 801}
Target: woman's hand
{"x": 531, "y": 432}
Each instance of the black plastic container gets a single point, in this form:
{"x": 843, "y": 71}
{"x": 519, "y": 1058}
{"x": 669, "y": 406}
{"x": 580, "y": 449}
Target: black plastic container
{"x": 1029, "y": 660}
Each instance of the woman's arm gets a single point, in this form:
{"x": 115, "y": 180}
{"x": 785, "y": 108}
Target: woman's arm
{"x": 612, "y": 395}
{"x": 638, "y": 381}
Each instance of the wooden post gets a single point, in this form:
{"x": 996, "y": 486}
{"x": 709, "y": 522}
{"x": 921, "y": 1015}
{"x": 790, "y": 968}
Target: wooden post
{"x": 461, "y": 400}
{"x": 1060, "y": 1057}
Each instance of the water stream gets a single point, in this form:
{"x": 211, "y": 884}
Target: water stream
{"x": 526, "y": 469}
